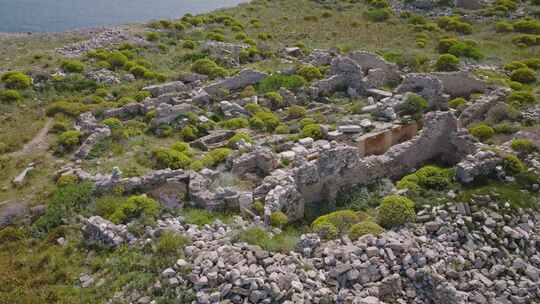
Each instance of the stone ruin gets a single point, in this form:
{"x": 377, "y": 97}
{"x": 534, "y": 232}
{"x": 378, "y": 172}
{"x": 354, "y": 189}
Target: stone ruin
{"x": 338, "y": 167}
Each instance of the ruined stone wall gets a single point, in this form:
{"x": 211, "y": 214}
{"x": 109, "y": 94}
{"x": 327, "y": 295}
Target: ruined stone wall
{"x": 342, "y": 167}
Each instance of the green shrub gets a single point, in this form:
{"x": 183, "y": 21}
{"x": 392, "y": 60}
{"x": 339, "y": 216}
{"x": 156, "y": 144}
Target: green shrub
{"x": 414, "y": 105}
{"x": 514, "y": 65}
{"x": 521, "y": 98}
{"x": 16, "y": 80}
{"x": 526, "y": 40}
{"x": 235, "y": 123}
{"x": 445, "y": 44}
{"x": 282, "y": 129}
{"x": 188, "y": 133}
{"x": 67, "y": 179}
{"x": 64, "y": 201}
{"x": 465, "y": 49}
{"x": 107, "y": 204}
{"x": 171, "y": 244}
{"x": 11, "y": 234}
{"x": 72, "y": 109}
{"x": 506, "y": 128}
{"x": 524, "y": 146}
{"x": 135, "y": 207}
{"x": 182, "y": 147}
{"x": 513, "y": 165}
{"x": 364, "y": 228}
{"x": 189, "y": 44}
{"x": 208, "y": 67}
{"x": 482, "y": 131}
{"x": 427, "y": 177}
{"x": 10, "y": 96}
{"x": 378, "y": 14}
{"x": 152, "y": 36}
{"x": 69, "y": 139}
{"x": 336, "y": 223}
{"x": 278, "y": 219}
{"x": 113, "y": 123}
{"x": 216, "y": 156}
{"x": 312, "y": 130}
{"x": 169, "y": 158}
{"x": 523, "y": 75}
{"x": 263, "y": 120}
{"x": 276, "y": 81}
{"x": 309, "y": 72}
{"x": 283, "y": 242}
{"x": 454, "y": 23}
{"x": 395, "y": 210}
{"x": 457, "y": 103}
{"x": 504, "y": 27}
{"x": 72, "y": 66}
{"x": 527, "y": 26}
{"x": 117, "y": 59}
{"x": 447, "y": 63}
{"x": 233, "y": 141}
{"x": 296, "y": 111}
{"x": 533, "y": 63}
{"x": 275, "y": 98}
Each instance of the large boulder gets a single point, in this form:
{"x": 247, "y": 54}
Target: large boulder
{"x": 427, "y": 86}
{"x": 164, "y": 88}
{"x": 461, "y": 84}
{"x": 243, "y": 79}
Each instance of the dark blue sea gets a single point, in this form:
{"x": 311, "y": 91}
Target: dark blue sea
{"x": 61, "y": 15}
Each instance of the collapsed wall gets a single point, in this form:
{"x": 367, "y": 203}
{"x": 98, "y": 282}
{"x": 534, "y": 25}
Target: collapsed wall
{"x": 341, "y": 167}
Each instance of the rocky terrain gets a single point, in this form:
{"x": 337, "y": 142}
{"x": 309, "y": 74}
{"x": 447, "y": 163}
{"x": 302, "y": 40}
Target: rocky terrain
{"x": 215, "y": 159}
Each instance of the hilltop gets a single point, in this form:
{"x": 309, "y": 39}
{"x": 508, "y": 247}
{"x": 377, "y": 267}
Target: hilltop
{"x": 376, "y": 151}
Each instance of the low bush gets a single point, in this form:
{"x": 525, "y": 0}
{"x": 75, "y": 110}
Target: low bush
{"x": 208, "y": 67}
{"x": 523, "y": 75}
{"x": 447, "y": 63}
{"x": 526, "y": 40}
{"x": 274, "y": 82}
{"x": 336, "y": 223}
{"x": 309, "y": 72}
{"x": 235, "y": 123}
{"x": 284, "y": 242}
{"x": 296, "y": 111}
{"x": 428, "y": 178}
{"x": 135, "y": 207}
{"x": 265, "y": 121}
{"x": 10, "y": 96}
{"x": 216, "y": 156}
{"x": 504, "y": 27}
{"x": 364, "y": 228}
{"x": 482, "y": 131}
{"x": 72, "y": 66}
{"x": 414, "y": 105}
{"x": 454, "y": 23}
{"x": 521, "y": 98}
{"x": 16, "y": 80}
{"x": 233, "y": 141}
{"x": 312, "y": 130}
{"x": 171, "y": 244}
{"x": 64, "y": 201}
{"x": 169, "y": 158}
{"x": 69, "y": 140}
{"x": 278, "y": 219}
{"x": 527, "y": 26}
{"x": 523, "y": 146}
{"x": 395, "y": 210}
{"x": 457, "y": 103}
{"x": 275, "y": 99}
{"x": 513, "y": 165}
{"x": 378, "y": 14}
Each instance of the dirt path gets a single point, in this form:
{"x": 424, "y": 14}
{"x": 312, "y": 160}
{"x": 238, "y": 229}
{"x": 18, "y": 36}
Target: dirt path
{"x": 38, "y": 143}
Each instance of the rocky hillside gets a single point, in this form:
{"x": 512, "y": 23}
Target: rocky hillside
{"x": 376, "y": 151}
